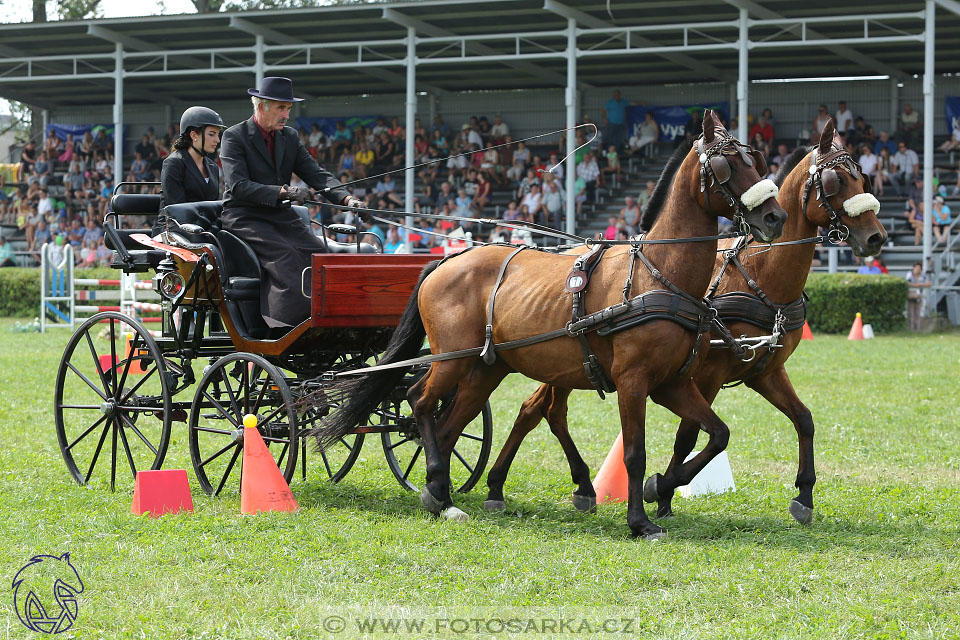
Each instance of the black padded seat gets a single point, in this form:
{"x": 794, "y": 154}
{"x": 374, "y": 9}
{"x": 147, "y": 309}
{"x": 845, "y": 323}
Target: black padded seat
{"x": 139, "y": 204}
{"x": 126, "y": 240}
{"x": 204, "y": 214}
{"x": 241, "y": 269}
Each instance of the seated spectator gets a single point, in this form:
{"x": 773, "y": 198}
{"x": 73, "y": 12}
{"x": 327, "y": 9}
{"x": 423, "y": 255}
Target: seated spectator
{"x": 483, "y": 128}
{"x": 511, "y": 212}
{"x": 516, "y": 172}
{"x": 907, "y": 168}
{"x": 53, "y": 145}
{"x": 764, "y": 128}
{"x": 104, "y": 255}
{"x": 647, "y": 135}
{"x": 522, "y": 153}
{"x": 75, "y": 235}
{"x": 758, "y": 143}
{"x": 490, "y": 162}
{"x": 44, "y": 204}
{"x": 885, "y": 143}
{"x": 6, "y": 253}
{"x": 499, "y": 131}
{"x": 953, "y": 142}
{"x": 28, "y": 158}
{"x": 819, "y": 122}
{"x": 140, "y": 169}
{"x": 884, "y": 169}
{"x": 612, "y": 165}
{"x": 363, "y": 160}
{"x": 782, "y": 154}
{"x": 42, "y": 234}
{"x": 590, "y": 172}
{"x": 772, "y": 170}
{"x": 347, "y": 162}
{"x": 445, "y": 195}
{"x": 580, "y": 193}
{"x": 393, "y": 243}
{"x": 484, "y": 190}
{"x": 914, "y": 216}
{"x": 524, "y": 187}
{"x": 869, "y": 268}
{"x": 464, "y": 204}
{"x": 611, "y": 231}
{"x": 552, "y": 203}
{"x": 396, "y": 131}
{"x": 868, "y": 162}
{"x": 533, "y": 203}
{"x": 630, "y": 214}
{"x": 69, "y": 149}
{"x": 386, "y": 189}
{"x": 316, "y": 143}
{"x": 42, "y": 170}
{"x": 862, "y": 133}
{"x": 342, "y": 138}
{"x": 941, "y": 219}
{"x": 909, "y": 127}
{"x": 843, "y": 119}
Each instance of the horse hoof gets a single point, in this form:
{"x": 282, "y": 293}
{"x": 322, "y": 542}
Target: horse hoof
{"x": 650, "y": 492}
{"x": 587, "y": 504}
{"x": 655, "y": 536}
{"x": 452, "y": 513}
{"x": 801, "y": 513}
{"x": 430, "y": 503}
{"x": 494, "y": 505}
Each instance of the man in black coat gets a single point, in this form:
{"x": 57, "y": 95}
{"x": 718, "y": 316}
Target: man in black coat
{"x": 259, "y": 155}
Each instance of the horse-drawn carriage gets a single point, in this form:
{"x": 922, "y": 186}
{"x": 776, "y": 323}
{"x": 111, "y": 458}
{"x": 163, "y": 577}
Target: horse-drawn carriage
{"x": 118, "y": 383}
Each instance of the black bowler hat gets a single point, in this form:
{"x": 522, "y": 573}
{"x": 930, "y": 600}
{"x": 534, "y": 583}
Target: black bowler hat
{"x": 273, "y": 88}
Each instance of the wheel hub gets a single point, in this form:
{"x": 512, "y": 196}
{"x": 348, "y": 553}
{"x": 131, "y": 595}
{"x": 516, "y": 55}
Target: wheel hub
{"x": 108, "y": 408}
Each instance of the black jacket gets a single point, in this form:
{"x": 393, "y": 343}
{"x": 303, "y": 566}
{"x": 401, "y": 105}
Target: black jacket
{"x": 254, "y": 181}
{"x": 182, "y": 181}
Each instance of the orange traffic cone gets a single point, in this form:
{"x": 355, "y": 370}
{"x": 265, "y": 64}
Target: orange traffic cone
{"x": 262, "y": 487}
{"x": 807, "y": 334}
{"x": 161, "y": 491}
{"x": 856, "y": 331}
{"x": 611, "y": 481}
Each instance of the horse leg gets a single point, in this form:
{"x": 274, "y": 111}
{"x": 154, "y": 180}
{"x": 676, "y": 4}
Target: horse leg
{"x": 472, "y": 393}
{"x": 424, "y": 397}
{"x": 632, "y": 399}
{"x": 688, "y": 403}
{"x": 532, "y": 411}
{"x": 585, "y": 497}
{"x": 687, "y": 434}
{"x": 776, "y": 387}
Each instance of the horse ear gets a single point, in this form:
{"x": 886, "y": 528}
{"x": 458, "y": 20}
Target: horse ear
{"x": 709, "y": 125}
{"x": 826, "y": 137}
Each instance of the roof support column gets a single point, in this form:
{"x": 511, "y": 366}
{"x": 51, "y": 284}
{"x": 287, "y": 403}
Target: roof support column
{"x": 571, "y": 168}
{"x": 411, "y": 114}
{"x": 928, "y": 67}
{"x": 118, "y": 115}
{"x": 894, "y": 106}
{"x": 743, "y": 78}
{"x": 258, "y": 65}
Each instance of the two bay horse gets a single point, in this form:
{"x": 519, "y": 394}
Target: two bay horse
{"x": 453, "y": 306}
{"x": 838, "y": 199}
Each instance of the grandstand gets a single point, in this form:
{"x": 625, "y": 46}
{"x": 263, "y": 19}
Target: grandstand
{"x": 555, "y": 64}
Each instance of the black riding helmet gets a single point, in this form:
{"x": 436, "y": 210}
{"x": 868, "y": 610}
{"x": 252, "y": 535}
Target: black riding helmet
{"x": 198, "y": 118}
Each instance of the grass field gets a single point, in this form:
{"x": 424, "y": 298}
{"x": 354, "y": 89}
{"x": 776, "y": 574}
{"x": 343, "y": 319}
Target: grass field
{"x": 879, "y": 561}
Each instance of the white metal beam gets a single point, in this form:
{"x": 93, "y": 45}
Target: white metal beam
{"x": 869, "y": 62}
{"x": 681, "y": 59}
{"x": 928, "y": 85}
{"x": 128, "y": 42}
{"x": 950, "y": 5}
{"x": 427, "y": 29}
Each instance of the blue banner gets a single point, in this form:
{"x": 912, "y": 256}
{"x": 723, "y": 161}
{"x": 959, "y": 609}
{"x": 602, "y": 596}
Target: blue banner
{"x": 672, "y": 120}
{"x": 329, "y": 125}
{"x": 951, "y": 105}
{"x": 78, "y": 130}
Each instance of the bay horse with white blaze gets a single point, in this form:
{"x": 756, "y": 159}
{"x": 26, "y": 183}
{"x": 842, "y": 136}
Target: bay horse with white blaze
{"x": 644, "y": 355}
{"x": 819, "y": 187}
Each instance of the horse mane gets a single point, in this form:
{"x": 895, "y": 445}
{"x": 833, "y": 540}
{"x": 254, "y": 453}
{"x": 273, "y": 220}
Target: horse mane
{"x": 662, "y": 190}
{"x": 790, "y": 164}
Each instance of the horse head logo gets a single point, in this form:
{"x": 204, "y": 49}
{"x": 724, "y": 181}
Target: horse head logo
{"x": 45, "y": 593}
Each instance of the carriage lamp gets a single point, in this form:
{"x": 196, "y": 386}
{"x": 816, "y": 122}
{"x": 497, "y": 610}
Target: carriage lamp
{"x": 167, "y": 282}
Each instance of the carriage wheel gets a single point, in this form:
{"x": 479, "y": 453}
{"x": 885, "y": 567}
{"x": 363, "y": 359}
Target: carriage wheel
{"x": 338, "y": 458}
{"x": 404, "y": 449}
{"x": 232, "y": 387}
{"x": 112, "y": 401}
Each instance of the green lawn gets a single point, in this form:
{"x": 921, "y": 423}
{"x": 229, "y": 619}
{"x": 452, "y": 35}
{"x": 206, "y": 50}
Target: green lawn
{"x": 880, "y": 560}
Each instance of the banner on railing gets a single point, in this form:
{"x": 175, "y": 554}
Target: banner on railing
{"x": 79, "y": 130}
{"x": 951, "y": 105}
{"x": 329, "y": 125}
{"x": 672, "y": 120}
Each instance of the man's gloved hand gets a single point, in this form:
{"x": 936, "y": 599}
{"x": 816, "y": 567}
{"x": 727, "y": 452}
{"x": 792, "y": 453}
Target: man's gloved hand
{"x": 297, "y": 195}
{"x": 359, "y": 206}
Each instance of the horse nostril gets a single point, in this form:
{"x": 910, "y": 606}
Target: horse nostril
{"x": 771, "y": 220}
{"x": 875, "y": 240}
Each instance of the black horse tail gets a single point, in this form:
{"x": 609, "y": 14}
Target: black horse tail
{"x": 360, "y": 394}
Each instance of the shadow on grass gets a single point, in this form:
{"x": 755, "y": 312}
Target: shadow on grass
{"x": 548, "y": 518}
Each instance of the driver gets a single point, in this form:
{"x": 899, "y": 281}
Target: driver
{"x": 258, "y": 156}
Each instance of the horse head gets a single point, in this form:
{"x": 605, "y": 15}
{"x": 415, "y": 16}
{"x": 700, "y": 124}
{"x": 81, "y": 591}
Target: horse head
{"x": 736, "y": 173}
{"x": 845, "y": 204}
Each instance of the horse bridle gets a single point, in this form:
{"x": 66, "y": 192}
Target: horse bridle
{"x": 715, "y": 167}
{"x": 823, "y": 177}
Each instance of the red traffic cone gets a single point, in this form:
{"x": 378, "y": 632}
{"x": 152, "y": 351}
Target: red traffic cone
{"x": 161, "y": 491}
{"x": 856, "y": 331}
{"x": 262, "y": 487}
{"x": 807, "y": 334}
{"x": 611, "y": 482}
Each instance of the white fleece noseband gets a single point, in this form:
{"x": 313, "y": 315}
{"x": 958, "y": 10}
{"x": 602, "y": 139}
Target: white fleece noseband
{"x": 860, "y": 203}
{"x": 758, "y": 194}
